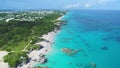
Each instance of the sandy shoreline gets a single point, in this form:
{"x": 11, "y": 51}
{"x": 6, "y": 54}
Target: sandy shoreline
{"x": 35, "y": 54}
{"x": 60, "y": 17}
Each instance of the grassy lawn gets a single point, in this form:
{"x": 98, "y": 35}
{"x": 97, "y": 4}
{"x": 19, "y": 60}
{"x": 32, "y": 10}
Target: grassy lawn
{"x": 18, "y": 47}
{"x": 33, "y": 47}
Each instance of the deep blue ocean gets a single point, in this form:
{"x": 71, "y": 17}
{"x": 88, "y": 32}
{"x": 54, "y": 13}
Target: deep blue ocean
{"x": 96, "y": 32}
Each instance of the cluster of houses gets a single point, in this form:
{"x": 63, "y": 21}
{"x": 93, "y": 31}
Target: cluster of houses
{"x": 24, "y": 15}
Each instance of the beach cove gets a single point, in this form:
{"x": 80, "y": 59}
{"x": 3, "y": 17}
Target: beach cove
{"x": 94, "y": 33}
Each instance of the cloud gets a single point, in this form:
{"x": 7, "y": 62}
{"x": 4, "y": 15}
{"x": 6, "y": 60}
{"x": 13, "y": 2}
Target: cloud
{"x": 106, "y": 1}
{"x": 74, "y": 5}
{"x": 87, "y": 5}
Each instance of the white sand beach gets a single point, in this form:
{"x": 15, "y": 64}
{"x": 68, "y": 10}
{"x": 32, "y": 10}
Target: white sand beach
{"x": 35, "y": 54}
{"x": 60, "y": 17}
{"x": 3, "y": 64}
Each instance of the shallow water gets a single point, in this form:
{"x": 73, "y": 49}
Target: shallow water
{"x": 96, "y": 32}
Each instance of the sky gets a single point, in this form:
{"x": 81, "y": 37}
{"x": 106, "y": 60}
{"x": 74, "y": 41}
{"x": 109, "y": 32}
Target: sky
{"x": 60, "y": 4}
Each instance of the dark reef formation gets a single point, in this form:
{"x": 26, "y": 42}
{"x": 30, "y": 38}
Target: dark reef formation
{"x": 71, "y": 51}
{"x": 104, "y": 48}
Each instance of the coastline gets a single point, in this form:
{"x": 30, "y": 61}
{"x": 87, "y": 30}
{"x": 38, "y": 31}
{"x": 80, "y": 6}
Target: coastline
{"x": 37, "y": 55}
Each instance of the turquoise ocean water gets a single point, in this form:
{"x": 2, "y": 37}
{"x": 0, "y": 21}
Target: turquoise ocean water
{"x": 96, "y": 32}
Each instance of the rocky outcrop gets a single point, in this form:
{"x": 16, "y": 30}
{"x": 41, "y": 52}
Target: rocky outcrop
{"x": 70, "y": 51}
{"x": 43, "y": 60}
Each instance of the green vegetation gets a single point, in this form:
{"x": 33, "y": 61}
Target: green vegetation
{"x": 16, "y": 58}
{"x": 18, "y": 36}
{"x": 34, "y": 47}
{"x": 15, "y": 35}
{"x": 39, "y": 67}
{"x": 3, "y": 14}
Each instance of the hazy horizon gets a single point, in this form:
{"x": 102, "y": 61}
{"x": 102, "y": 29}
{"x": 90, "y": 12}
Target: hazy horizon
{"x": 61, "y": 4}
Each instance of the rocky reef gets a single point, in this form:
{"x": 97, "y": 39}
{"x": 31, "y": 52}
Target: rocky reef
{"x": 71, "y": 51}
{"x": 90, "y": 65}
{"x": 104, "y": 48}
{"x": 42, "y": 59}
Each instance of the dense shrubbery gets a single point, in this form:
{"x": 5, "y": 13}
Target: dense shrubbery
{"x": 16, "y": 58}
{"x": 15, "y": 35}
{"x": 3, "y": 14}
